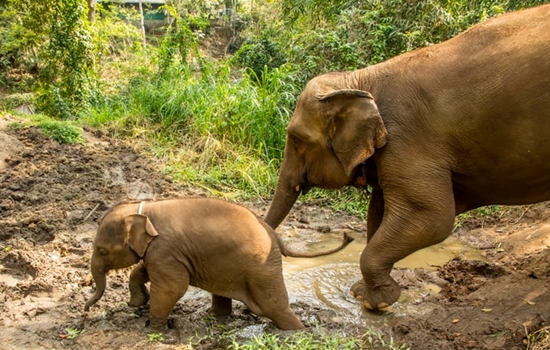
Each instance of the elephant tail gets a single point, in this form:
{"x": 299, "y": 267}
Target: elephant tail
{"x": 288, "y": 252}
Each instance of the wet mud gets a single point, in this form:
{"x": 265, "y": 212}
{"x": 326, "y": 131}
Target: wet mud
{"x": 486, "y": 287}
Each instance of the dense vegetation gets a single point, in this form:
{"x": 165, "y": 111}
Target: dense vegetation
{"x": 219, "y": 122}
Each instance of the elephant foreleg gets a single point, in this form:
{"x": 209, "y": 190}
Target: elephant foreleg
{"x": 375, "y": 213}
{"x": 410, "y": 223}
{"x": 221, "y": 306}
{"x": 139, "y": 295}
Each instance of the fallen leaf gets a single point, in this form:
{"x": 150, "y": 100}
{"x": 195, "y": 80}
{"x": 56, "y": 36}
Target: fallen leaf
{"x": 486, "y": 310}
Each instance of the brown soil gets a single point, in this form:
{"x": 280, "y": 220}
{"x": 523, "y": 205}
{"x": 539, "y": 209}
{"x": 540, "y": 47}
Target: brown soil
{"x": 52, "y": 196}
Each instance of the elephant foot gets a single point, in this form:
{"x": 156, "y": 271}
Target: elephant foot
{"x": 156, "y": 325}
{"x": 139, "y": 295}
{"x": 162, "y": 334}
{"x": 376, "y": 298}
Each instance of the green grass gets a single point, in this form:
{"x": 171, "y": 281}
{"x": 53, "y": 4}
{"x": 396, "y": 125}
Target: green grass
{"x": 62, "y": 132}
{"x": 539, "y": 340}
{"x": 155, "y": 337}
{"x": 73, "y": 332}
{"x": 215, "y": 128}
{"x": 347, "y": 199}
{"x": 233, "y": 338}
{"x": 67, "y": 132}
{"x": 308, "y": 341}
{"x": 219, "y": 167}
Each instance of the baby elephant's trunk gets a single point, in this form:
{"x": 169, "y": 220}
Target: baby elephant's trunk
{"x": 99, "y": 275}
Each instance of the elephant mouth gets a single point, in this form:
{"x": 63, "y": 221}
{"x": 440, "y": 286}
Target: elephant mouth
{"x": 360, "y": 178}
{"x": 302, "y": 189}
{"x": 360, "y": 181}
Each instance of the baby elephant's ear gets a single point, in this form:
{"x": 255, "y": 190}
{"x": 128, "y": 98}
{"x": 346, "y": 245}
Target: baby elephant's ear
{"x": 140, "y": 232}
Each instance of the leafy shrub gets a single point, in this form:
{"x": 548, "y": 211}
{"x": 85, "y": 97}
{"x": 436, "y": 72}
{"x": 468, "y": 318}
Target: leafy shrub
{"x": 62, "y": 132}
{"x": 257, "y": 55}
{"x": 16, "y": 100}
{"x": 68, "y": 81}
{"x": 24, "y": 25}
{"x": 180, "y": 41}
{"x": 345, "y": 35}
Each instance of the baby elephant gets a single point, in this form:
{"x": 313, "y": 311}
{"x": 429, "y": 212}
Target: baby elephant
{"x": 217, "y": 246}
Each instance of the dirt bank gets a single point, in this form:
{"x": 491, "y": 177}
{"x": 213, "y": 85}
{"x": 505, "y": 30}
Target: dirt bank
{"x": 52, "y": 195}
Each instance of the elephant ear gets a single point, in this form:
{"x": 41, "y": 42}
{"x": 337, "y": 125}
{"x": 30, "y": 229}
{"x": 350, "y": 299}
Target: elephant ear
{"x": 356, "y": 128}
{"x": 140, "y": 233}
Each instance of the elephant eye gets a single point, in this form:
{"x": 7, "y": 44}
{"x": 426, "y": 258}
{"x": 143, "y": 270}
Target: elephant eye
{"x": 102, "y": 251}
{"x": 295, "y": 139}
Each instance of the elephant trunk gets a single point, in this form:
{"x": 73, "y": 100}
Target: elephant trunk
{"x": 99, "y": 275}
{"x": 284, "y": 199}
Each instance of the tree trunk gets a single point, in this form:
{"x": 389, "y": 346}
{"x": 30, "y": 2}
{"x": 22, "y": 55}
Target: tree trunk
{"x": 91, "y": 10}
{"x": 142, "y": 23}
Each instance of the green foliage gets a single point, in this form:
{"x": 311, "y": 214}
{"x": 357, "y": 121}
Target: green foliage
{"x": 489, "y": 213}
{"x": 180, "y": 41}
{"x": 16, "y": 100}
{"x": 315, "y": 11}
{"x": 297, "y": 341}
{"x": 188, "y": 102}
{"x": 203, "y": 8}
{"x": 68, "y": 79}
{"x": 24, "y": 28}
{"x": 345, "y": 35}
{"x": 155, "y": 337}
{"x": 15, "y": 126}
{"x": 259, "y": 56}
{"x": 312, "y": 341}
{"x": 218, "y": 126}
{"x": 113, "y": 37}
{"x": 60, "y": 131}
{"x": 348, "y": 199}
{"x": 220, "y": 336}
{"x": 235, "y": 127}
{"x": 73, "y": 332}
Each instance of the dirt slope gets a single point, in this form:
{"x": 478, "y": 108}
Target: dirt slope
{"x": 52, "y": 195}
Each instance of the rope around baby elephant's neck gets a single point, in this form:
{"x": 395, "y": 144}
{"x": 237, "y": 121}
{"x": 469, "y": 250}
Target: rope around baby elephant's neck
{"x": 140, "y": 209}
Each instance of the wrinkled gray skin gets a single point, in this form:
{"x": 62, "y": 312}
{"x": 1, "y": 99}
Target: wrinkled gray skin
{"x": 434, "y": 133}
{"x": 217, "y": 246}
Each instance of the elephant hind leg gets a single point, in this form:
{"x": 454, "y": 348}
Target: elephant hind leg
{"x": 221, "y": 306}
{"x": 269, "y": 298}
{"x": 166, "y": 290}
{"x": 286, "y": 319}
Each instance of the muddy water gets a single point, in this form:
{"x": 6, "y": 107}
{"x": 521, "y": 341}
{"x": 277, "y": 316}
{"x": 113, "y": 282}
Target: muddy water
{"x": 325, "y": 282}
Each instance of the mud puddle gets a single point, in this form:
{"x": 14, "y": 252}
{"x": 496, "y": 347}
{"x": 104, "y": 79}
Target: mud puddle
{"x": 325, "y": 281}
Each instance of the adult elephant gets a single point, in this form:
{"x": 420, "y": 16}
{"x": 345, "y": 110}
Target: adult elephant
{"x": 434, "y": 133}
